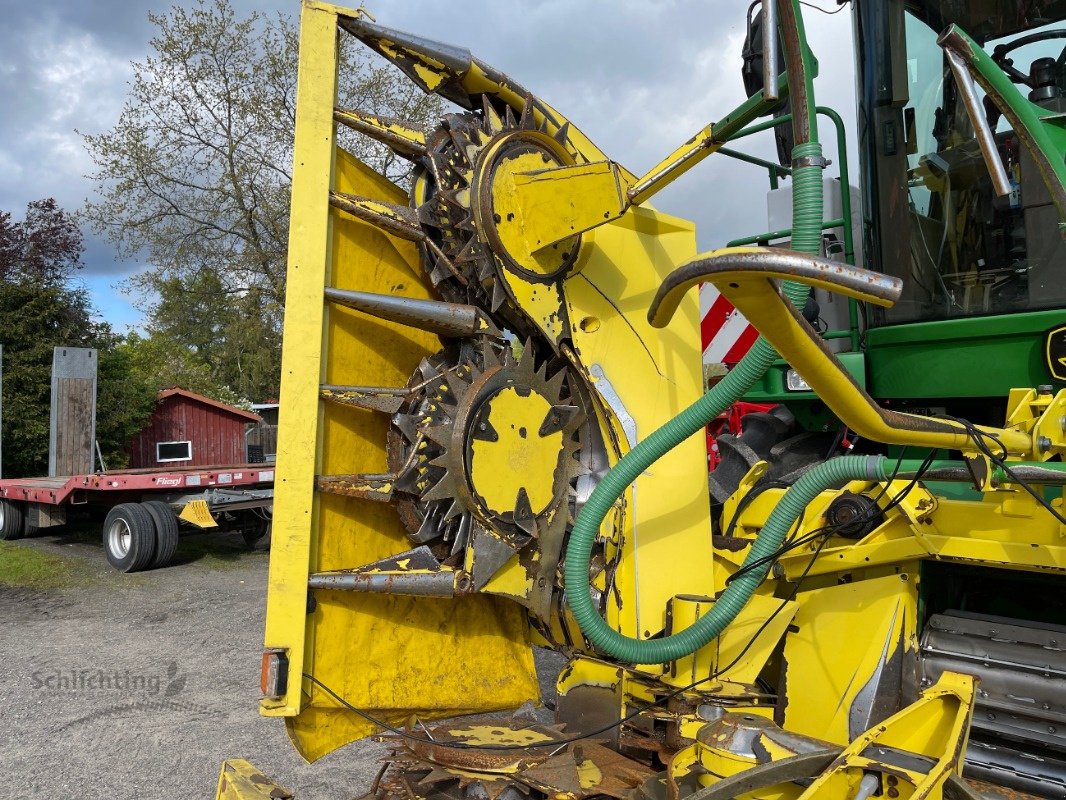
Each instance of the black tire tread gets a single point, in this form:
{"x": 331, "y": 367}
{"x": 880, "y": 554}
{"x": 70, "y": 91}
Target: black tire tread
{"x": 142, "y": 536}
{"x": 166, "y": 532}
{"x": 13, "y": 527}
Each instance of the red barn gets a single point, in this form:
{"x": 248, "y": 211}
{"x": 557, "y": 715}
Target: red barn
{"x": 190, "y": 430}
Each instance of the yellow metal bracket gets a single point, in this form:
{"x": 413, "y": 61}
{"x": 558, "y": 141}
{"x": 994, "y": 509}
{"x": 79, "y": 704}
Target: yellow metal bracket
{"x": 749, "y": 276}
{"x": 556, "y": 203}
{"x": 913, "y": 752}
{"x": 239, "y": 780}
{"x": 197, "y": 513}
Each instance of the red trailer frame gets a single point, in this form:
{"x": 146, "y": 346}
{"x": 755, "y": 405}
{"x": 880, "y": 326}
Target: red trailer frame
{"x": 145, "y": 506}
{"x": 75, "y": 489}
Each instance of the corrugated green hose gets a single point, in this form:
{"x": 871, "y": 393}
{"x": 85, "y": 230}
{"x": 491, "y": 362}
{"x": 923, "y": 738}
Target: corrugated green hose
{"x": 807, "y": 203}
{"x": 827, "y": 475}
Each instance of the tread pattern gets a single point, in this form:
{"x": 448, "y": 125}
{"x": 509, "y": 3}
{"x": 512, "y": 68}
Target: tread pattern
{"x": 12, "y": 527}
{"x": 142, "y": 537}
{"x": 166, "y": 532}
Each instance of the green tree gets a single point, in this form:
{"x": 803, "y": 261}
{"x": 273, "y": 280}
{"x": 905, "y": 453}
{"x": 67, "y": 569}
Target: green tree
{"x": 158, "y": 363}
{"x": 231, "y": 334}
{"x": 42, "y": 310}
{"x": 195, "y": 176}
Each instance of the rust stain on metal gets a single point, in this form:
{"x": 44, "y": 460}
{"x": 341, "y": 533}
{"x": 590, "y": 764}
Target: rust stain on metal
{"x": 364, "y": 486}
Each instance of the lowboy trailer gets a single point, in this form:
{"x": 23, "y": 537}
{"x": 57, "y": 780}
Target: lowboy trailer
{"x": 146, "y": 508}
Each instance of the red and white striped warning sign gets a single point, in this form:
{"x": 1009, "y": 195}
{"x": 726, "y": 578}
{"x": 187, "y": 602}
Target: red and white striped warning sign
{"x": 726, "y": 335}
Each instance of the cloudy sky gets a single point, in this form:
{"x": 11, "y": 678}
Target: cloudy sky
{"x": 638, "y": 76}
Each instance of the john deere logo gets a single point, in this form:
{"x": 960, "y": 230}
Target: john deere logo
{"x": 1055, "y": 352}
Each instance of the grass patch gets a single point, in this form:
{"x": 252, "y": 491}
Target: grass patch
{"x": 27, "y": 567}
{"x": 214, "y": 550}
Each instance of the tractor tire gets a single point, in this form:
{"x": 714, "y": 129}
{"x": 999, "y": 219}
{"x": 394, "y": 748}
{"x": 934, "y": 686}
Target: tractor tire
{"x": 11, "y": 520}
{"x": 129, "y": 537}
{"x": 166, "y": 532}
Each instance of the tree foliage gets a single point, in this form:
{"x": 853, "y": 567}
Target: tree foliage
{"x": 42, "y": 310}
{"x": 44, "y": 246}
{"x": 161, "y": 364}
{"x": 195, "y": 177}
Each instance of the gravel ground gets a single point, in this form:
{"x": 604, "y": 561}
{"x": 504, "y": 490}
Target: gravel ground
{"x": 139, "y": 686}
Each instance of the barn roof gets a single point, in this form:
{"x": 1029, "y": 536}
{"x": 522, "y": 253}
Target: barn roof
{"x": 199, "y": 398}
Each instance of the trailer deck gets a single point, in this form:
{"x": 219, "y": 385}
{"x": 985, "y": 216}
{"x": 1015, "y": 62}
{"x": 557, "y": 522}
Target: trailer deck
{"x": 76, "y": 489}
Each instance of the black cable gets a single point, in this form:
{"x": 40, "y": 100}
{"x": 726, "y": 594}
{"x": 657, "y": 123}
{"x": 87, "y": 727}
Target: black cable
{"x": 747, "y": 500}
{"x": 979, "y": 438}
{"x": 809, "y": 537}
{"x": 824, "y": 532}
{"x": 589, "y": 734}
{"x": 839, "y": 8}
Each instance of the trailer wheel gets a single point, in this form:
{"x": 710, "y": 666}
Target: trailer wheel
{"x": 28, "y": 528}
{"x": 166, "y": 532}
{"x": 129, "y": 537}
{"x": 258, "y": 537}
{"x": 11, "y": 522}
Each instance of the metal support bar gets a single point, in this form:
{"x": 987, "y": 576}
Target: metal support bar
{"x": 784, "y": 233}
{"x": 985, "y": 138}
{"x": 748, "y": 277}
{"x": 770, "y": 68}
{"x": 774, "y": 168}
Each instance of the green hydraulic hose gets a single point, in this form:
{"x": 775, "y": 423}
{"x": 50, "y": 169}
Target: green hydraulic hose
{"x": 827, "y": 475}
{"x": 807, "y": 209}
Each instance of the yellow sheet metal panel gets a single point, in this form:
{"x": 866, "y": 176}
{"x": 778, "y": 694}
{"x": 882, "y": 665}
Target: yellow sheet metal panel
{"x": 935, "y": 728}
{"x": 645, "y": 375}
{"x": 846, "y": 658}
{"x": 391, "y": 656}
{"x": 299, "y": 419}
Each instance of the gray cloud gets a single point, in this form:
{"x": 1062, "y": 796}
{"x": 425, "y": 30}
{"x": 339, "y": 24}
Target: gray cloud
{"x": 639, "y": 77}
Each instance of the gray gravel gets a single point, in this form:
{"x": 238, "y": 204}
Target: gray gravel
{"x": 139, "y": 686}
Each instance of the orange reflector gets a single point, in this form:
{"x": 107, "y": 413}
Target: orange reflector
{"x": 273, "y": 677}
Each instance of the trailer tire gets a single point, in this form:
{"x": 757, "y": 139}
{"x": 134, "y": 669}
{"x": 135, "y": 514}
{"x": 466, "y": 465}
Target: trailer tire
{"x": 11, "y": 520}
{"x": 258, "y": 537}
{"x": 29, "y": 528}
{"x": 166, "y": 532}
{"x": 129, "y": 537}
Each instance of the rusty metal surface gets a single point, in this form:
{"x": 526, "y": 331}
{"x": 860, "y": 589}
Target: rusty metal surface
{"x": 980, "y": 790}
{"x": 391, "y": 132}
{"x": 375, "y": 398}
{"x": 587, "y": 769}
{"x": 415, "y": 572}
{"x": 441, "y": 582}
{"x": 797, "y": 87}
{"x": 775, "y": 263}
{"x": 401, "y": 221}
{"x": 429, "y": 769}
{"x": 444, "y": 319}
{"x": 366, "y": 486}
{"x": 743, "y": 734}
